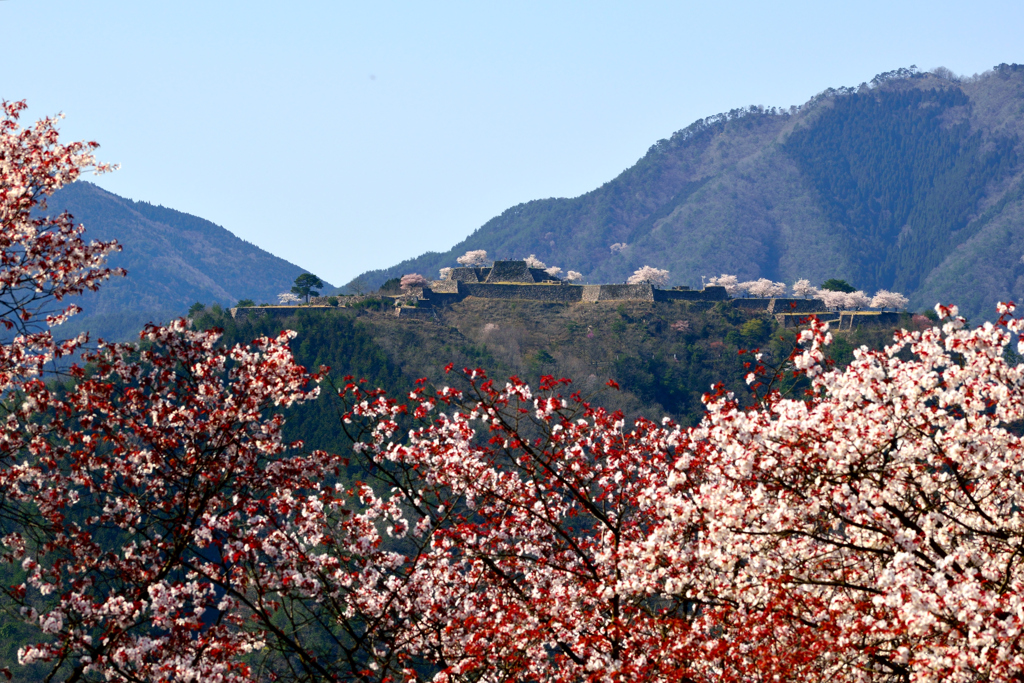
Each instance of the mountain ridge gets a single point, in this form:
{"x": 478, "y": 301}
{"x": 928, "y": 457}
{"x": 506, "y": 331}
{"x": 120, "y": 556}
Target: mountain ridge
{"x": 173, "y": 259}
{"x": 909, "y": 182}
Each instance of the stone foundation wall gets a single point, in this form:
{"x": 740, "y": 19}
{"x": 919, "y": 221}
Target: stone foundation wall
{"x": 842, "y": 320}
{"x": 849, "y": 320}
{"x": 273, "y": 311}
{"x": 595, "y": 293}
{"x": 790, "y": 320}
{"x": 706, "y": 294}
{"x": 343, "y": 300}
{"x": 444, "y": 286}
{"x": 416, "y": 313}
{"x": 560, "y": 293}
{"x": 626, "y": 293}
{"x": 751, "y": 304}
{"x": 796, "y": 306}
{"x": 510, "y": 271}
{"x": 440, "y": 299}
{"x": 466, "y": 274}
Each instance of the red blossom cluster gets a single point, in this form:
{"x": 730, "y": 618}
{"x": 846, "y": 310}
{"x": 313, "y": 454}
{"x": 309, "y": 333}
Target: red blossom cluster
{"x": 43, "y": 259}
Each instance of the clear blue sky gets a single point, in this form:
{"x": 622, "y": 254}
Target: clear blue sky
{"x": 346, "y": 136}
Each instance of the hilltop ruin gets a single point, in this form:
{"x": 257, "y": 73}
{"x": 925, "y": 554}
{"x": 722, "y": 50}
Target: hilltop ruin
{"x": 515, "y": 281}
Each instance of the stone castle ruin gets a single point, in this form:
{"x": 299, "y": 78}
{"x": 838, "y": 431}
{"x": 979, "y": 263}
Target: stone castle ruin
{"x": 515, "y": 281}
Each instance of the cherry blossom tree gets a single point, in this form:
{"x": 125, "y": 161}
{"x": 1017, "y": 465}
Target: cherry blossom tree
{"x": 538, "y": 506}
{"x": 413, "y": 281}
{"x": 873, "y": 524}
{"x": 164, "y": 510}
{"x": 832, "y": 300}
{"x": 805, "y": 289}
{"x": 857, "y": 300}
{"x": 476, "y": 257}
{"x": 764, "y": 287}
{"x": 161, "y": 527}
{"x": 553, "y": 271}
{"x": 648, "y": 275}
{"x": 885, "y": 299}
{"x": 573, "y": 276}
{"x": 866, "y": 530}
{"x": 730, "y": 282}
{"x": 288, "y": 298}
{"x": 43, "y": 259}
{"x": 534, "y": 262}
{"x": 444, "y": 273}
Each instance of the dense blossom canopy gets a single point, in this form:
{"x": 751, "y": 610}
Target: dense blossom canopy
{"x": 476, "y": 257}
{"x": 764, "y": 287}
{"x": 648, "y": 275}
{"x": 413, "y": 281}
{"x": 534, "y": 262}
{"x": 159, "y": 528}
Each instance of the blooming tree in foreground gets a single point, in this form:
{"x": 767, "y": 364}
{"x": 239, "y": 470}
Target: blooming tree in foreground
{"x": 42, "y": 259}
{"x": 553, "y": 271}
{"x": 537, "y": 505}
{"x": 869, "y": 530}
{"x": 475, "y": 257}
{"x": 413, "y": 281}
{"x": 161, "y": 528}
{"x": 648, "y": 275}
{"x": 573, "y": 276}
{"x": 288, "y": 298}
{"x": 881, "y": 512}
{"x": 444, "y": 273}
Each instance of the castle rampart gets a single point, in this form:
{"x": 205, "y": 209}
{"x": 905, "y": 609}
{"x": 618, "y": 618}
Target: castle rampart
{"x": 515, "y": 281}
{"x": 712, "y": 293}
{"x": 534, "y": 292}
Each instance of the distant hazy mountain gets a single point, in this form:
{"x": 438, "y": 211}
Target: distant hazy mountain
{"x": 173, "y": 260}
{"x": 914, "y": 182}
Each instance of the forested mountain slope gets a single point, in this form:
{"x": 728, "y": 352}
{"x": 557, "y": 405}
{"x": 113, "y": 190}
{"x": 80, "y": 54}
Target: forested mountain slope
{"x": 173, "y": 259}
{"x": 914, "y": 182}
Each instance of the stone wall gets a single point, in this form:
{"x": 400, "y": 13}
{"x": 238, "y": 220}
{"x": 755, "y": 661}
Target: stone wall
{"x": 849, "y": 320}
{"x": 510, "y": 271}
{"x": 751, "y": 304}
{"x": 790, "y": 320}
{"x": 437, "y": 299}
{"x": 560, "y": 293}
{"x": 465, "y": 274}
{"x": 796, "y": 306}
{"x": 626, "y": 293}
{"x": 343, "y": 300}
{"x": 712, "y": 293}
{"x": 444, "y": 286}
{"x": 777, "y": 306}
{"x": 595, "y": 293}
{"x": 843, "y": 320}
{"x": 539, "y": 275}
{"x": 416, "y": 313}
{"x": 241, "y": 313}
